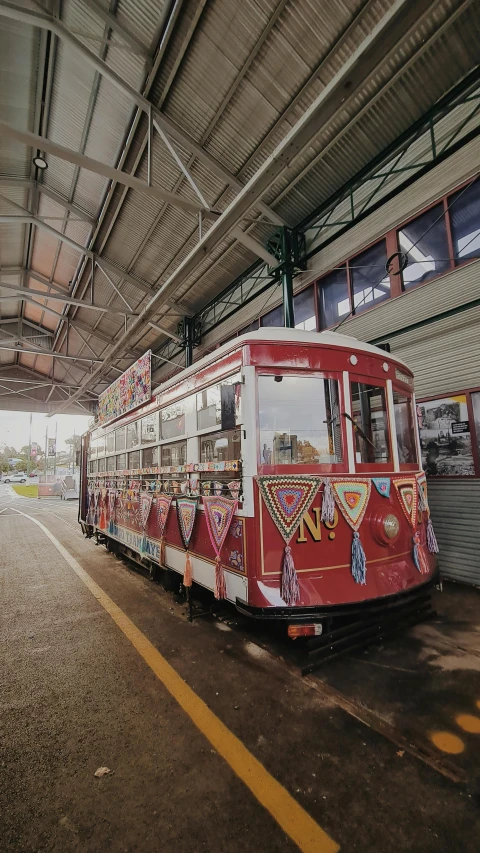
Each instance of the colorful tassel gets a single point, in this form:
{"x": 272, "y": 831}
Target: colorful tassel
{"x": 328, "y": 503}
{"x": 161, "y": 558}
{"x": 290, "y": 589}
{"x": 187, "y": 576}
{"x": 422, "y": 500}
{"x": 220, "y": 590}
{"x": 418, "y": 555}
{"x": 432, "y": 543}
{"x": 359, "y": 562}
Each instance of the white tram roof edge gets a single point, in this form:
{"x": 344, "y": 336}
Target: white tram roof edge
{"x": 276, "y": 335}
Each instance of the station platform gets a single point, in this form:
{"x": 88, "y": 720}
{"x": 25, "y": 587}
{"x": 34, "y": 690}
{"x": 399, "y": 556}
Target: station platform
{"x": 214, "y": 740}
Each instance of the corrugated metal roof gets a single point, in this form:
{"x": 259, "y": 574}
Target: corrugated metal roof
{"x": 235, "y": 77}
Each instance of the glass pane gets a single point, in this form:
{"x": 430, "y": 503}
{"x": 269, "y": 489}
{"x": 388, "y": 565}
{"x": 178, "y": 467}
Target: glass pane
{"x": 132, "y": 435}
{"x": 465, "y": 220}
{"x": 110, "y": 442}
{"x": 369, "y": 410}
{"x": 111, "y": 463}
{"x": 209, "y": 409}
{"x": 101, "y": 464}
{"x": 134, "y": 459}
{"x": 120, "y": 439}
{"x": 404, "y": 427}
{"x": 252, "y": 327}
{"x": 427, "y": 252}
{"x": 174, "y": 454}
{"x": 333, "y": 298}
{"x": 148, "y": 428}
{"x": 150, "y": 457}
{"x": 93, "y": 449}
{"x": 121, "y": 462}
{"x": 370, "y": 282}
{"x": 172, "y": 421}
{"x": 101, "y": 445}
{"x": 273, "y": 318}
{"x": 220, "y": 446}
{"x": 304, "y": 307}
{"x": 94, "y": 465}
{"x": 299, "y": 420}
{"x": 445, "y": 437}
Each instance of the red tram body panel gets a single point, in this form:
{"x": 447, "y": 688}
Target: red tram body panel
{"x": 306, "y": 405}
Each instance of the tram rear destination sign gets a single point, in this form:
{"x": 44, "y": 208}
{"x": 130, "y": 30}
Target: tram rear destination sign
{"x": 132, "y": 389}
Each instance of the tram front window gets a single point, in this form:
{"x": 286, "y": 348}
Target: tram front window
{"x": 404, "y": 428}
{"x": 299, "y": 420}
{"x": 369, "y": 410}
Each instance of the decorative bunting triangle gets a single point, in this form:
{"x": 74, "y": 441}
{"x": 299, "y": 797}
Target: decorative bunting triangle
{"x": 408, "y": 497}
{"x": 352, "y": 498}
{"x": 163, "y": 507}
{"x": 422, "y": 493}
{"x": 287, "y": 498}
{"x": 382, "y": 485}
{"x": 186, "y": 512}
{"x": 146, "y": 499}
{"x": 219, "y": 513}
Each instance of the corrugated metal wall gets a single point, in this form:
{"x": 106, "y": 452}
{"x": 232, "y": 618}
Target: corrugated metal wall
{"x": 455, "y": 508}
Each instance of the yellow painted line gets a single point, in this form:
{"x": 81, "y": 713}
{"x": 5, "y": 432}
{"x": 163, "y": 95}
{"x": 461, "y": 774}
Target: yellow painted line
{"x": 468, "y": 723}
{"x": 447, "y": 742}
{"x": 290, "y": 816}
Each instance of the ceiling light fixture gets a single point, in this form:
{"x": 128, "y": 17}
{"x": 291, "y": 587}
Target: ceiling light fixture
{"x": 40, "y": 163}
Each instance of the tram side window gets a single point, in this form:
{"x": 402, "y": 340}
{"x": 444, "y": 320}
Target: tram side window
{"x": 120, "y": 439}
{"x": 299, "y": 420}
{"x": 110, "y": 442}
{"x": 150, "y": 457}
{"x": 134, "y": 459}
{"x": 369, "y": 410}
{"x": 148, "y": 428}
{"x": 220, "y": 446}
{"x": 172, "y": 421}
{"x": 209, "y": 403}
{"x": 174, "y": 454}
{"x": 121, "y": 462}
{"x": 404, "y": 428}
{"x": 132, "y": 435}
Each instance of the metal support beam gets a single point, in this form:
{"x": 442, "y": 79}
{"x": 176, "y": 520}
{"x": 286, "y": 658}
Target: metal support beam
{"x": 188, "y": 327}
{"x": 55, "y": 196}
{"x": 254, "y": 246}
{"x": 166, "y": 332}
{"x": 135, "y": 44}
{"x": 35, "y": 141}
{"x": 54, "y": 297}
{"x": 287, "y": 269}
{"x": 51, "y": 354}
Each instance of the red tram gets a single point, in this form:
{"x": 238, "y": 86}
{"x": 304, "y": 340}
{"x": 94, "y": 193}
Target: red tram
{"x": 282, "y": 471}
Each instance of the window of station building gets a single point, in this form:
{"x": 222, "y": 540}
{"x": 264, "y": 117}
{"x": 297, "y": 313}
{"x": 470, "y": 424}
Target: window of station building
{"x": 110, "y": 442}
{"x": 273, "y": 317}
{"x": 150, "y": 457}
{"x": 121, "y": 462}
{"x": 93, "y": 448}
{"x": 120, "y": 439}
{"x": 101, "y": 465}
{"x": 220, "y": 446}
{"x": 333, "y": 297}
{"x": 252, "y": 327}
{"x": 369, "y": 411}
{"x": 370, "y": 281}
{"x": 299, "y": 420}
{"x": 134, "y": 459}
{"x": 404, "y": 428}
{"x": 110, "y": 463}
{"x": 174, "y": 454}
{"x": 304, "y": 310}
{"x": 148, "y": 428}
{"x": 172, "y": 420}
{"x": 465, "y": 221}
{"x": 133, "y": 437}
{"x": 100, "y": 445}
{"x": 424, "y": 241}
{"x": 94, "y": 466}
{"x": 209, "y": 403}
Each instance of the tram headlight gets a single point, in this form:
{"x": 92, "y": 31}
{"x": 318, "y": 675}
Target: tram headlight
{"x": 385, "y": 528}
{"x": 391, "y": 526}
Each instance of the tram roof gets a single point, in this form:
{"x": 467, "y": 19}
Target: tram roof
{"x": 276, "y": 335}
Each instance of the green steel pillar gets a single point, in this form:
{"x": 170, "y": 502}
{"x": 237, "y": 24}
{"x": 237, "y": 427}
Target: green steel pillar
{"x": 287, "y": 279}
{"x": 188, "y": 341}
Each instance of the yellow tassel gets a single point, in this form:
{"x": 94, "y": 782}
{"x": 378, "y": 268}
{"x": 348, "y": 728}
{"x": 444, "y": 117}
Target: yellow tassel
{"x": 187, "y": 577}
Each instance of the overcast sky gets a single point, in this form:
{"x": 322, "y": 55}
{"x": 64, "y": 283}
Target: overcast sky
{"x": 14, "y": 428}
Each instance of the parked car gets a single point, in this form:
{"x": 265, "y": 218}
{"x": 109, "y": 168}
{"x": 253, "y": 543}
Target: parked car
{"x": 15, "y": 478}
{"x": 33, "y": 474}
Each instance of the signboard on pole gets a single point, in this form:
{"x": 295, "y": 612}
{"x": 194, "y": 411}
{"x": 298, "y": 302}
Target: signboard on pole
{"x": 34, "y": 450}
{"x": 51, "y": 447}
